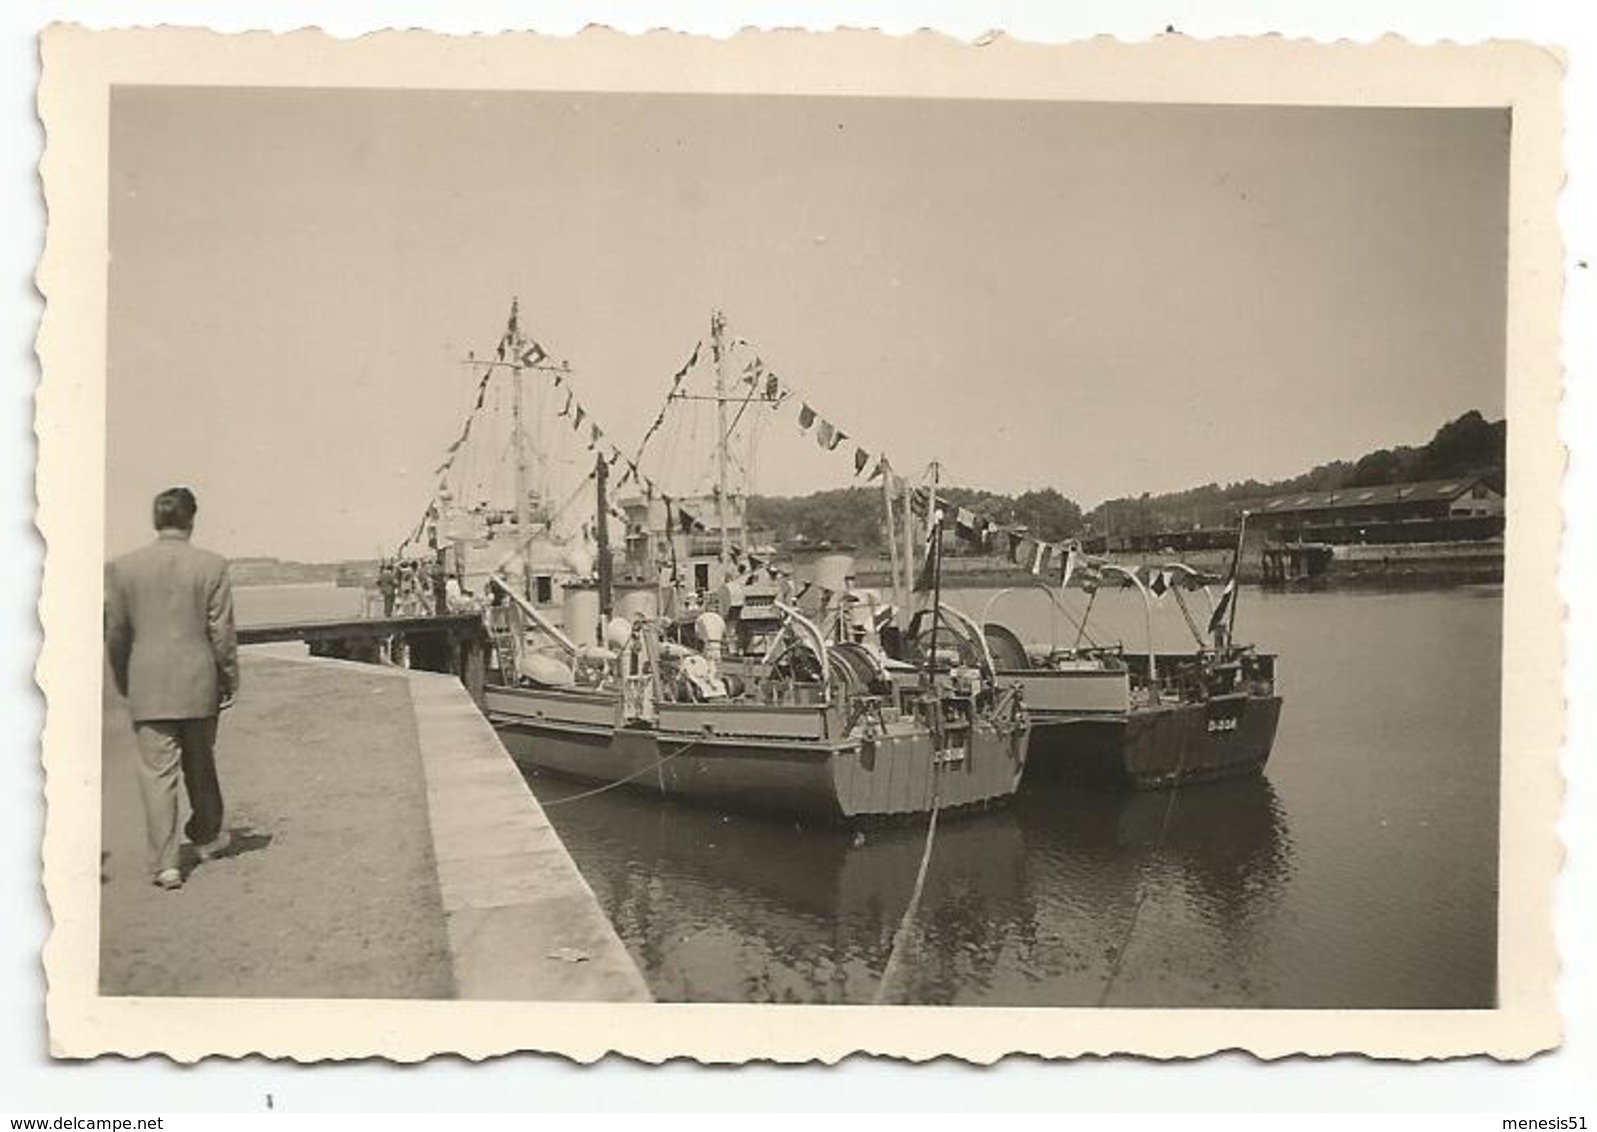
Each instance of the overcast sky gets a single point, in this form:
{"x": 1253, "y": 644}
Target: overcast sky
{"x": 1107, "y": 299}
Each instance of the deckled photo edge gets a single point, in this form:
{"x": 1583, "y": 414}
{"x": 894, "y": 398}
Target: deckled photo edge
{"x": 80, "y": 67}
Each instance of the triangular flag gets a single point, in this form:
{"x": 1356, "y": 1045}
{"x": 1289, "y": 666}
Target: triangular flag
{"x": 1218, "y": 619}
{"x": 1072, "y": 564}
{"x": 861, "y": 458}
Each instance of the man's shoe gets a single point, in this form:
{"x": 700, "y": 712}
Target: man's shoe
{"x": 169, "y": 879}
{"x": 215, "y": 847}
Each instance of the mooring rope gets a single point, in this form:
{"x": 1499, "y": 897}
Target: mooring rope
{"x": 901, "y": 936}
{"x": 621, "y": 781}
{"x": 1142, "y": 887}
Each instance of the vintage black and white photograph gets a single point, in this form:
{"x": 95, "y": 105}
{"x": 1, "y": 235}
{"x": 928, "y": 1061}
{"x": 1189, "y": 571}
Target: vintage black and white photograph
{"x": 671, "y": 546}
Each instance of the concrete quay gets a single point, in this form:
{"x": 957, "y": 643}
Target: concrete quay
{"x": 385, "y": 846}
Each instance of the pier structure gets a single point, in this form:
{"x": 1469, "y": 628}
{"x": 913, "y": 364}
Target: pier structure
{"x": 455, "y": 643}
{"x": 384, "y": 846}
{"x": 1287, "y": 563}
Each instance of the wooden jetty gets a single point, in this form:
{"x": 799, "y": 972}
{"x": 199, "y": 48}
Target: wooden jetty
{"x": 455, "y": 643}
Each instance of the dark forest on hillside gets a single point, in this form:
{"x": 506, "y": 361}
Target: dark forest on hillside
{"x": 853, "y": 516}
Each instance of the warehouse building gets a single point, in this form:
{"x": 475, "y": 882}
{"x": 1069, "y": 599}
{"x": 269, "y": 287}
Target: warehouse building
{"x": 1462, "y": 508}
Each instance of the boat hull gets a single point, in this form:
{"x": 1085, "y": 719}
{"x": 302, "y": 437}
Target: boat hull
{"x": 786, "y": 762}
{"x": 1150, "y": 748}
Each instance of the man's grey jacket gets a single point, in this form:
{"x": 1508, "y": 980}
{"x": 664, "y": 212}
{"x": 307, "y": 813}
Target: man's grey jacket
{"x": 169, "y": 629}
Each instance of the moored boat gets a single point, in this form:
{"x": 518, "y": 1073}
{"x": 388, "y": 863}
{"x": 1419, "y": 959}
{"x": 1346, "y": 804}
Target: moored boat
{"x": 822, "y": 735}
{"x": 1214, "y": 719}
{"x": 810, "y": 728}
{"x": 1145, "y": 720}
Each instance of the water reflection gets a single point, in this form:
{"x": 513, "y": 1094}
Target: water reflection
{"x": 1024, "y": 906}
{"x": 720, "y": 907}
{"x": 1210, "y": 866}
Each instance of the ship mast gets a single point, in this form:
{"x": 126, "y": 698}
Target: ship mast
{"x": 519, "y": 437}
{"x": 935, "y": 521}
{"x": 717, "y": 328}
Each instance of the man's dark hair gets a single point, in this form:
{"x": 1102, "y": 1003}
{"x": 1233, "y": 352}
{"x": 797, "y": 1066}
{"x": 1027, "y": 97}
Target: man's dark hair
{"x": 174, "y": 509}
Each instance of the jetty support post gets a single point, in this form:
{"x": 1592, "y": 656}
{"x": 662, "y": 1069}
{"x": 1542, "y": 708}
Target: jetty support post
{"x": 471, "y": 665}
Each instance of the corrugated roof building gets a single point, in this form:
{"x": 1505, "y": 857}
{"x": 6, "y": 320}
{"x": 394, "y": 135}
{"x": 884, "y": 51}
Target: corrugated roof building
{"x": 1457, "y": 498}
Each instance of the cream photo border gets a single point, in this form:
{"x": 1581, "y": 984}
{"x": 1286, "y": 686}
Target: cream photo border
{"x": 79, "y": 69}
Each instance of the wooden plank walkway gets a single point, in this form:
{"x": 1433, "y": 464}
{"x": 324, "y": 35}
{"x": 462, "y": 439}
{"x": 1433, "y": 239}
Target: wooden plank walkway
{"x": 340, "y": 628}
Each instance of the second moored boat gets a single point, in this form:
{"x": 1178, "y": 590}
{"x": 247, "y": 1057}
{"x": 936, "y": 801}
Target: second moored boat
{"x": 1147, "y": 720}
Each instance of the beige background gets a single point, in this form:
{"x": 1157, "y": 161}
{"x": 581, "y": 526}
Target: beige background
{"x": 78, "y": 69}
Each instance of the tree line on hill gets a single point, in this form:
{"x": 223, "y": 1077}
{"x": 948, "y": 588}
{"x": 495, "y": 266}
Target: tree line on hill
{"x": 852, "y": 516}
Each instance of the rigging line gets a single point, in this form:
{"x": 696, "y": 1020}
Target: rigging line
{"x": 791, "y": 390}
{"x": 577, "y": 403}
{"x": 622, "y": 781}
{"x": 747, "y": 400}
{"x": 1059, "y": 606}
{"x": 1081, "y": 630}
{"x": 901, "y": 936}
{"x": 676, "y": 383}
{"x": 566, "y": 504}
{"x": 1142, "y": 887}
{"x": 1191, "y": 624}
{"x": 730, "y": 430}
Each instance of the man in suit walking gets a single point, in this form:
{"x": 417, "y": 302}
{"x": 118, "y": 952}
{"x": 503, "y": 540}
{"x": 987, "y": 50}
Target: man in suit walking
{"x": 174, "y": 655}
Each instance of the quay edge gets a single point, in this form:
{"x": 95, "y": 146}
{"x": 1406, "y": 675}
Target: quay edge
{"x": 522, "y": 923}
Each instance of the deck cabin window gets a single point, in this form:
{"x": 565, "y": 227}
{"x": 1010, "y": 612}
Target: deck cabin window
{"x": 701, "y": 576}
{"x": 544, "y": 589}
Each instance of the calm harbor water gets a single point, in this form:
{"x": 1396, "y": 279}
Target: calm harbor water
{"x": 312, "y": 601}
{"x": 1360, "y": 871}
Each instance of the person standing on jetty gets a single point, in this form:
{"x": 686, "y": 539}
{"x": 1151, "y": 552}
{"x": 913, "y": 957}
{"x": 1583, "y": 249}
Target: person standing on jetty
{"x": 174, "y": 654}
{"x": 387, "y": 585}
